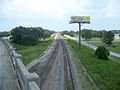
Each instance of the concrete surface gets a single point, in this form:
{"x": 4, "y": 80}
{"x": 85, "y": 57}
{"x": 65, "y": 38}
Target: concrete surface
{"x": 8, "y": 80}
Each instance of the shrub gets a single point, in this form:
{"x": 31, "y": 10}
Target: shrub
{"x": 113, "y": 46}
{"x": 102, "y": 53}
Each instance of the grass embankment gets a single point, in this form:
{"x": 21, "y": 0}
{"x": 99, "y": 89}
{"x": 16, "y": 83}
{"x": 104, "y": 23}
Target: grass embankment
{"x": 30, "y": 52}
{"x": 114, "y": 49}
{"x": 106, "y": 74}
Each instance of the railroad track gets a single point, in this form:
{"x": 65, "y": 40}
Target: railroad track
{"x": 68, "y": 76}
{"x": 48, "y": 65}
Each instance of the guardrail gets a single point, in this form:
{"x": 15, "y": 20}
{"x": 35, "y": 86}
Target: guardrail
{"x": 26, "y": 80}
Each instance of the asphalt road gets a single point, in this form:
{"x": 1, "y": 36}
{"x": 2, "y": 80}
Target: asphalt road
{"x": 92, "y": 46}
{"x": 8, "y": 80}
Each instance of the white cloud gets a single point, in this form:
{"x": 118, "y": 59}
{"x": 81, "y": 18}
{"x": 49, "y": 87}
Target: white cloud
{"x": 56, "y": 13}
{"x": 35, "y": 8}
{"x": 113, "y": 8}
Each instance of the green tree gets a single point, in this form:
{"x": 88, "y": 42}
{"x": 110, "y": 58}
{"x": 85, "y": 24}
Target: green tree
{"x": 100, "y": 34}
{"x": 87, "y": 35}
{"x": 102, "y": 53}
{"x": 71, "y": 33}
{"x": 108, "y": 37}
{"x": 46, "y": 34}
{"x": 26, "y": 36}
{"x": 4, "y": 34}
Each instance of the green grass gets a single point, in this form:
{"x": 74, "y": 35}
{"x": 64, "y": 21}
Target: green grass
{"x": 30, "y": 52}
{"x": 84, "y": 80}
{"x": 115, "y": 59}
{"x": 94, "y": 39}
{"x": 69, "y": 85}
{"x": 114, "y": 49}
{"x": 106, "y": 74}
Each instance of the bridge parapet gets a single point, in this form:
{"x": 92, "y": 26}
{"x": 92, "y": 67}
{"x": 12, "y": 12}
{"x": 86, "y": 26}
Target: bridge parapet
{"x": 27, "y": 80}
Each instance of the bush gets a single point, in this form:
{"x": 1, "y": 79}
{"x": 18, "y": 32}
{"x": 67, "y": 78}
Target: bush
{"x": 102, "y": 53}
{"x": 113, "y": 46}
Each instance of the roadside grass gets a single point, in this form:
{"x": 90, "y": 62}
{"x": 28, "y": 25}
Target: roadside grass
{"x": 115, "y": 59}
{"x": 105, "y": 73}
{"x": 29, "y": 52}
{"x": 94, "y": 39}
{"x": 113, "y": 49}
{"x": 84, "y": 81}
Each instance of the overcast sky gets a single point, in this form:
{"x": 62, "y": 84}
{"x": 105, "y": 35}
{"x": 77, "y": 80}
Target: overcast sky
{"x": 55, "y": 14}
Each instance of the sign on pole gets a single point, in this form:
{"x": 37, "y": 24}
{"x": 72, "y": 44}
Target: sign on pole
{"x": 79, "y": 20}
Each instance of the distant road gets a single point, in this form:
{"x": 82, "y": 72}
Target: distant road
{"x": 92, "y": 46}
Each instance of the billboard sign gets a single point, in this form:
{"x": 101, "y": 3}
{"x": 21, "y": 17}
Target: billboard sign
{"x": 80, "y": 19}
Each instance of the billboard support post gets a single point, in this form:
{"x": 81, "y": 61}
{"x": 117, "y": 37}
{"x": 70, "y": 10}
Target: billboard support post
{"x": 79, "y": 20}
{"x": 79, "y": 34}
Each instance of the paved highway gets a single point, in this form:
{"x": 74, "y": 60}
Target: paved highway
{"x": 8, "y": 79}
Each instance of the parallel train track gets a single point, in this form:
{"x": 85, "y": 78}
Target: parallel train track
{"x": 46, "y": 68}
{"x": 68, "y": 76}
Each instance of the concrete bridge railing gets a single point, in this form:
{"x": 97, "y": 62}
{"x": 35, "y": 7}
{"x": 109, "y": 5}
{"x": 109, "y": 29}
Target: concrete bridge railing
{"x": 27, "y": 80}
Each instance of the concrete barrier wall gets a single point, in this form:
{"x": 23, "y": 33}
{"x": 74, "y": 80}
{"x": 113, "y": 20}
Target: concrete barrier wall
{"x": 26, "y": 79}
{"x": 43, "y": 57}
{"x": 39, "y": 64}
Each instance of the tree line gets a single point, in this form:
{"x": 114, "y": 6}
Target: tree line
{"x": 106, "y": 36}
{"x": 29, "y": 35}
{"x": 4, "y": 34}
{"x": 70, "y": 33}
